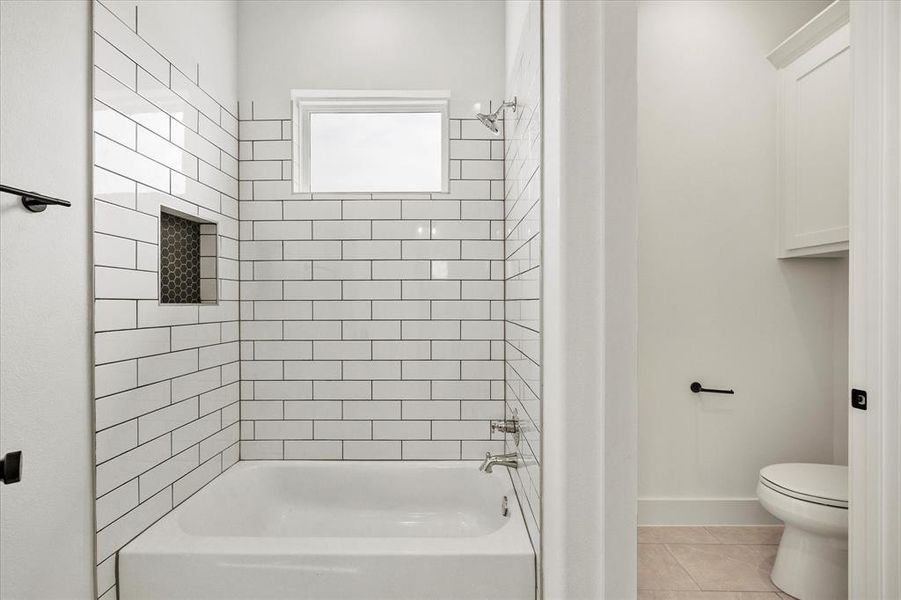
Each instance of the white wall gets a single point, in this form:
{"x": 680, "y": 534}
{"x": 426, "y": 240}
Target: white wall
{"x": 46, "y": 521}
{"x": 589, "y": 300}
{"x": 715, "y": 304}
{"x": 455, "y": 45}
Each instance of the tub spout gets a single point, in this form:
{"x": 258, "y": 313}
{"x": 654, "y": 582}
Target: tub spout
{"x": 505, "y": 460}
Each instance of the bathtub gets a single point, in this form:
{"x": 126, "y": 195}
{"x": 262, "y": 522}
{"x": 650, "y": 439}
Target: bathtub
{"x": 338, "y": 530}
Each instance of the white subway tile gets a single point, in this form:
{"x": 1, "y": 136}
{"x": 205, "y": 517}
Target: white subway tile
{"x": 193, "y": 336}
{"x": 342, "y": 430}
{"x": 128, "y": 42}
{"x": 312, "y": 450}
{"x": 312, "y": 290}
{"x": 166, "y": 473}
{"x": 369, "y": 330}
{"x": 400, "y": 230}
{"x": 115, "y": 440}
{"x": 259, "y": 130}
{"x": 371, "y": 369}
{"x": 342, "y": 269}
{"x": 166, "y": 366}
{"x": 371, "y": 209}
{"x": 400, "y": 309}
{"x": 461, "y": 430}
{"x": 283, "y": 430}
{"x": 430, "y": 450}
{"x": 282, "y": 230}
{"x": 370, "y": 409}
{"x": 117, "y": 471}
{"x": 430, "y": 369}
{"x": 111, "y": 538}
{"x": 431, "y": 409}
{"x": 124, "y": 406}
{"x": 121, "y": 345}
{"x": 372, "y": 450}
{"x": 400, "y": 269}
{"x": 116, "y": 503}
{"x": 371, "y": 249}
{"x": 342, "y": 230}
{"x": 114, "y": 125}
{"x": 401, "y": 390}
{"x": 341, "y": 350}
{"x": 312, "y": 250}
{"x": 196, "y": 430}
{"x": 272, "y": 150}
{"x": 434, "y": 249}
{"x": 431, "y": 290}
{"x": 174, "y": 105}
{"x": 120, "y": 159}
{"x": 112, "y": 251}
{"x": 196, "y": 479}
{"x": 341, "y": 390}
{"x": 115, "y": 377}
{"x": 123, "y": 100}
{"x": 115, "y": 314}
{"x": 340, "y": 309}
{"x": 313, "y": 409}
{"x": 110, "y": 283}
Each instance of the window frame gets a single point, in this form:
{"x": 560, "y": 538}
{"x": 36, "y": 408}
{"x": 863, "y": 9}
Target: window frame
{"x": 306, "y": 102}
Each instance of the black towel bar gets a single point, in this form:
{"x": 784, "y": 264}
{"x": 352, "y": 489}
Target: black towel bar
{"x": 33, "y": 201}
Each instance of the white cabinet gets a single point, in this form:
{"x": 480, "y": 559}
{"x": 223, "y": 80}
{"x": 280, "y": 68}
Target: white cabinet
{"x": 814, "y": 122}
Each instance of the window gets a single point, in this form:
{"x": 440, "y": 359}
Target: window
{"x": 351, "y": 141}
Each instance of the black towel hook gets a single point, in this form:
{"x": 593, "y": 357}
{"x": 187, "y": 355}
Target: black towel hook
{"x": 697, "y": 388}
{"x": 33, "y": 201}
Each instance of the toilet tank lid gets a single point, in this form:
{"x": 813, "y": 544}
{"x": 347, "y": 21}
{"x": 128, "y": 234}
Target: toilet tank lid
{"x": 829, "y": 482}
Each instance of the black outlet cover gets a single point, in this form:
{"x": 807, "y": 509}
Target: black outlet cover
{"x": 11, "y": 467}
{"x": 859, "y": 399}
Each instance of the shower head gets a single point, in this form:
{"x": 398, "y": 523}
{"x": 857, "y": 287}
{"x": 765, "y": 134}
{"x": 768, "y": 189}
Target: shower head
{"x": 490, "y": 120}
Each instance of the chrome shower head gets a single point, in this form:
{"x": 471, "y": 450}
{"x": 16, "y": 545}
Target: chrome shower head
{"x": 490, "y": 120}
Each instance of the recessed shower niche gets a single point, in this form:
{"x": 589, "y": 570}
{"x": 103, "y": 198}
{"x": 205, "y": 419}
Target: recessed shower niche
{"x": 187, "y": 260}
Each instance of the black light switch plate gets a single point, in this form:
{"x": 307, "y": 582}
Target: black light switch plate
{"x": 859, "y": 399}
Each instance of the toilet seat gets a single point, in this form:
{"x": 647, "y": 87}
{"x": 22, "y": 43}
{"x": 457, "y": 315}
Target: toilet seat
{"x": 812, "y": 501}
{"x": 826, "y": 485}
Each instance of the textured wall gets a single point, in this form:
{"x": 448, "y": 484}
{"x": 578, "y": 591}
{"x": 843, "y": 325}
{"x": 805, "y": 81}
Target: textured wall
{"x": 46, "y": 521}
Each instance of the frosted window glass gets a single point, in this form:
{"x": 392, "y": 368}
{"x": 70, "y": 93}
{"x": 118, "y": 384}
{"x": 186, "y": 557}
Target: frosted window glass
{"x": 375, "y": 152}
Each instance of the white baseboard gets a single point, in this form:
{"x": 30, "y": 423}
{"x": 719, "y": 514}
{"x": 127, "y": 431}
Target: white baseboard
{"x": 702, "y": 511}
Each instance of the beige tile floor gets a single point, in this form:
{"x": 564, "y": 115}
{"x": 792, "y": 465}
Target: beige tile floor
{"x": 707, "y": 563}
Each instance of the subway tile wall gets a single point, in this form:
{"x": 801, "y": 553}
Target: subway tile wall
{"x": 371, "y": 324}
{"x": 522, "y": 267}
{"x": 166, "y": 376}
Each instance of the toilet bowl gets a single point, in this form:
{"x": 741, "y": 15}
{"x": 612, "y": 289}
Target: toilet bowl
{"x": 812, "y": 501}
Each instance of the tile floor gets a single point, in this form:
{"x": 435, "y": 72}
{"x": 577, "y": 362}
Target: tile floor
{"x": 707, "y": 563}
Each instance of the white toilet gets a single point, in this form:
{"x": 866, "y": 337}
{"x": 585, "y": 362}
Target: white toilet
{"x": 812, "y": 501}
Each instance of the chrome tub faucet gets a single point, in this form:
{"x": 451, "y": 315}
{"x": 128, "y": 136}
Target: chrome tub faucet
{"x": 508, "y": 460}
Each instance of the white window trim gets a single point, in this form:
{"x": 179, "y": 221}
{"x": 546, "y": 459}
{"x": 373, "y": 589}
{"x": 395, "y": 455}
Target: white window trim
{"x": 306, "y": 102}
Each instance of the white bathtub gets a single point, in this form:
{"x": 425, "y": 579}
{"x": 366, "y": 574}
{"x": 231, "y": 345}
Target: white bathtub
{"x": 343, "y": 530}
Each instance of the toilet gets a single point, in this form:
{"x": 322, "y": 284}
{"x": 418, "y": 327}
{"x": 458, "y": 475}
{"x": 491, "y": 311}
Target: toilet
{"x": 812, "y": 501}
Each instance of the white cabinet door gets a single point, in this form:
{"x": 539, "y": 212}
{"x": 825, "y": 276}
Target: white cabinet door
{"x": 814, "y": 154}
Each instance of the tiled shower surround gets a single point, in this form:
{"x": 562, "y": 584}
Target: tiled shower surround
{"x": 166, "y": 375}
{"x": 371, "y": 324}
{"x": 522, "y": 253}
{"x": 344, "y": 326}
